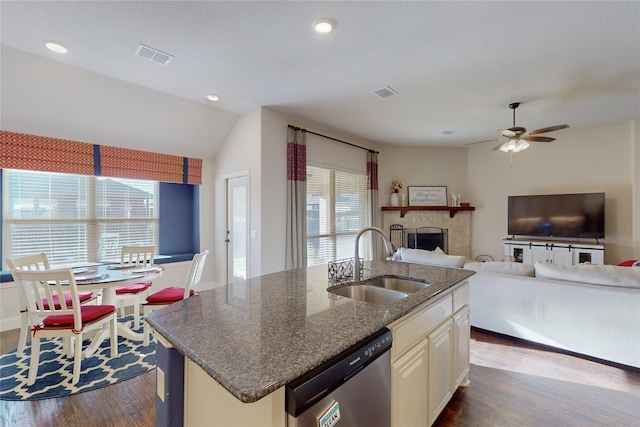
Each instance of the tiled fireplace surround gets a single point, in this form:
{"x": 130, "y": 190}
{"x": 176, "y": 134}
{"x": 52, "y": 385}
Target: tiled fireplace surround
{"x": 459, "y": 227}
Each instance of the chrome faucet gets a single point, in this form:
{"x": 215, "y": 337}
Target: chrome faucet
{"x": 356, "y": 257}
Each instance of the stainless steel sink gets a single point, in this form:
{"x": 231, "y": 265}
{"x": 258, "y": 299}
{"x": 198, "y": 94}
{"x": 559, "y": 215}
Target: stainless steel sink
{"x": 397, "y": 284}
{"x": 372, "y": 294}
{"x": 380, "y": 290}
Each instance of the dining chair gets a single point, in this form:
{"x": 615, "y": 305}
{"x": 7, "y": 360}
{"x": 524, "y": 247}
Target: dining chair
{"x": 171, "y": 294}
{"x": 134, "y": 294}
{"x": 61, "y": 320}
{"x": 35, "y": 263}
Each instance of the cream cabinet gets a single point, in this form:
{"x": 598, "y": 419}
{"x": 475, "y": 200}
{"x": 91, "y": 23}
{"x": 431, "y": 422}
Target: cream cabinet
{"x": 409, "y": 387}
{"x": 553, "y": 252}
{"x": 461, "y": 339}
{"x": 439, "y": 369}
{"x": 429, "y": 358}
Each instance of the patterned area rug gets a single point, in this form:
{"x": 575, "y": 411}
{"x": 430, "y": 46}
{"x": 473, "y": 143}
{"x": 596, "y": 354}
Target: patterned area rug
{"x": 55, "y": 370}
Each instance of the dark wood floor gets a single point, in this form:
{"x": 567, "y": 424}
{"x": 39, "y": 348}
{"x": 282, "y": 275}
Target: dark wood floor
{"x": 512, "y": 384}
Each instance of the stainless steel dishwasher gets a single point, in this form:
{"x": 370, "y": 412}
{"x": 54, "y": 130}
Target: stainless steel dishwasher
{"x": 351, "y": 390}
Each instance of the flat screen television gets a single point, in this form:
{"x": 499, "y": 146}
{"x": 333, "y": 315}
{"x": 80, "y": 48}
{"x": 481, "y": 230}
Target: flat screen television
{"x": 557, "y": 215}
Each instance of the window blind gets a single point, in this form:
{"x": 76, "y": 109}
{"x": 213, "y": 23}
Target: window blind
{"x": 336, "y": 210}
{"x": 76, "y": 218}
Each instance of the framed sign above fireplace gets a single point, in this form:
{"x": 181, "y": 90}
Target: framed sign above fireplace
{"x": 427, "y": 196}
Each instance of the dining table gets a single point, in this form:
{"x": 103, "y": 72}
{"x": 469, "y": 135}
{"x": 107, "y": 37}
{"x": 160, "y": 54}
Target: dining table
{"x": 108, "y": 277}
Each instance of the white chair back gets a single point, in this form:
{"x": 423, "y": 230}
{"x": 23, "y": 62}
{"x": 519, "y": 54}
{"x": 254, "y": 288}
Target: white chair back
{"x": 40, "y": 286}
{"x": 140, "y": 255}
{"x": 195, "y": 272}
{"x": 29, "y": 262}
{"x": 35, "y": 262}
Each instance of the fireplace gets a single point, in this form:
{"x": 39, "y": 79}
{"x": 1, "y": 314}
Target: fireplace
{"x": 428, "y": 238}
{"x": 455, "y": 232}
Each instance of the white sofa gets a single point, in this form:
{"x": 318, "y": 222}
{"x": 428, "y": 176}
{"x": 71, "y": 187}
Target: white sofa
{"x": 587, "y": 309}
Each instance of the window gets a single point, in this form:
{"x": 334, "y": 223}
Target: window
{"x": 336, "y": 210}
{"x": 76, "y": 218}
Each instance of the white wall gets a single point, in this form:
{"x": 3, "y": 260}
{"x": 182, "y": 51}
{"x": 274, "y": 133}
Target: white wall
{"x": 422, "y": 166}
{"x": 591, "y": 160}
{"x": 240, "y": 154}
{"x": 48, "y": 98}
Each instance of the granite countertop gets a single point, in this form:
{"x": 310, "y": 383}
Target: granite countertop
{"x": 258, "y": 335}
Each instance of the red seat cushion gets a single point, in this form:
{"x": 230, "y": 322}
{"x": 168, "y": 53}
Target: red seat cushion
{"x": 83, "y": 296}
{"x": 627, "y": 263}
{"x": 88, "y": 313}
{"x": 168, "y": 295}
{"x": 136, "y": 288}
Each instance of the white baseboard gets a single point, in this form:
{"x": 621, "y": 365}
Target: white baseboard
{"x": 10, "y": 323}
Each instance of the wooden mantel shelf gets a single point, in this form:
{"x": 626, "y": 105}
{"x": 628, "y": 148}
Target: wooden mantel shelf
{"x": 453, "y": 210}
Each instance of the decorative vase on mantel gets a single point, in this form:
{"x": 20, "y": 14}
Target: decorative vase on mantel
{"x": 394, "y": 199}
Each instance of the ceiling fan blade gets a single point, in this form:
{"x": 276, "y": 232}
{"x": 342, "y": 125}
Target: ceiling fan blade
{"x": 549, "y": 129}
{"x": 481, "y": 142}
{"x": 507, "y": 132}
{"x": 538, "y": 138}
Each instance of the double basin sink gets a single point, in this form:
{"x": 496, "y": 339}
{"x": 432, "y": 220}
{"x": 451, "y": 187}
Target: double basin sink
{"x": 381, "y": 289}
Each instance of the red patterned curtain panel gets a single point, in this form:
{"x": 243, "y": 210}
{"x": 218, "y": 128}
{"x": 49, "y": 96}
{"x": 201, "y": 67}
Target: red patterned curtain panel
{"x": 31, "y": 152}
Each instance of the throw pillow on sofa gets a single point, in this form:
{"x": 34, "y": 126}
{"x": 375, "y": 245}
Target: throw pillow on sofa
{"x": 422, "y": 256}
{"x": 594, "y": 274}
{"x": 513, "y": 268}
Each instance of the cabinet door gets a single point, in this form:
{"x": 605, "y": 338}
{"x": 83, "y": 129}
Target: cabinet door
{"x": 439, "y": 369}
{"x": 461, "y": 338}
{"x": 593, "y": 256}
{"x": 539, "y": 254}
{"x": 409, "y": 388}
{"x": 561, "y": 255}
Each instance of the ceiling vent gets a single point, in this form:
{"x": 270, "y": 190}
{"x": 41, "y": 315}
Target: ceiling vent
{"x": 385, "y": 92}
{"x": 153, "y": 54}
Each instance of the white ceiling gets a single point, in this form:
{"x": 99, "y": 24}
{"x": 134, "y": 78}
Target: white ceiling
{"x": 455, "y": 65}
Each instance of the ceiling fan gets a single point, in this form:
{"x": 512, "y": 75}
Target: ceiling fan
{"x": 516, "y": 138}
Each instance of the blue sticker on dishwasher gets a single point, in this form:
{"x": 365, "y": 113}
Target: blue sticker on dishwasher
{"x": 331, "y": 417}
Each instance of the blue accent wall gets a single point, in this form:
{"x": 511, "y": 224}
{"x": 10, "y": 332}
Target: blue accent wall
{"x": 179, "y": 218}
{"x": 1, "y": 213}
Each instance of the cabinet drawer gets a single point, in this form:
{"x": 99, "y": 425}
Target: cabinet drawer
{"x": 409, "y": 331}
{"x": 461, "y": 297}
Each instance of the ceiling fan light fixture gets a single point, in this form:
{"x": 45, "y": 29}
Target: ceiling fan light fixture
{"x": 522, "y": 145}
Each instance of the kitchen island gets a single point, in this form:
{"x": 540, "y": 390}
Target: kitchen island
{"x": 251, "y": 338}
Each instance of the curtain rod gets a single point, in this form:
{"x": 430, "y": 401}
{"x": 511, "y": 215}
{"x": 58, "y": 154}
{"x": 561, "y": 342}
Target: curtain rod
{"x": 334, "y": 139}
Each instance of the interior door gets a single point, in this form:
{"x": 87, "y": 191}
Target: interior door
{"x": 237, "y": 225}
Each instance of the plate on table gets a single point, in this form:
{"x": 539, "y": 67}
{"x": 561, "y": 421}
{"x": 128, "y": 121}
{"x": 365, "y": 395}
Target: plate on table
{"x": 145, "y": 270}
{"x": 120, "y": 267}
{"x": 89, "y": 276}
{"x": 83, "y": 270}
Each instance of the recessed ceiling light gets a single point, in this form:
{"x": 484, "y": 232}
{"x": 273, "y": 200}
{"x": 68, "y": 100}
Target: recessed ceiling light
{"x": 55, "y": 46}
{"x": 213, "y": 98}
{"x": 324, "y": 25}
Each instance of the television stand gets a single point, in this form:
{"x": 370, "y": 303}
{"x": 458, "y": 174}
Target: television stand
{"x": 530, "y": 251}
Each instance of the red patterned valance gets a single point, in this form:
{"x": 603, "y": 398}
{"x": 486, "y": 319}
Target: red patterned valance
{"x": 128, "y": 163}
{"x": 194, "y": 173}
{"x": 31, "y": 152}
